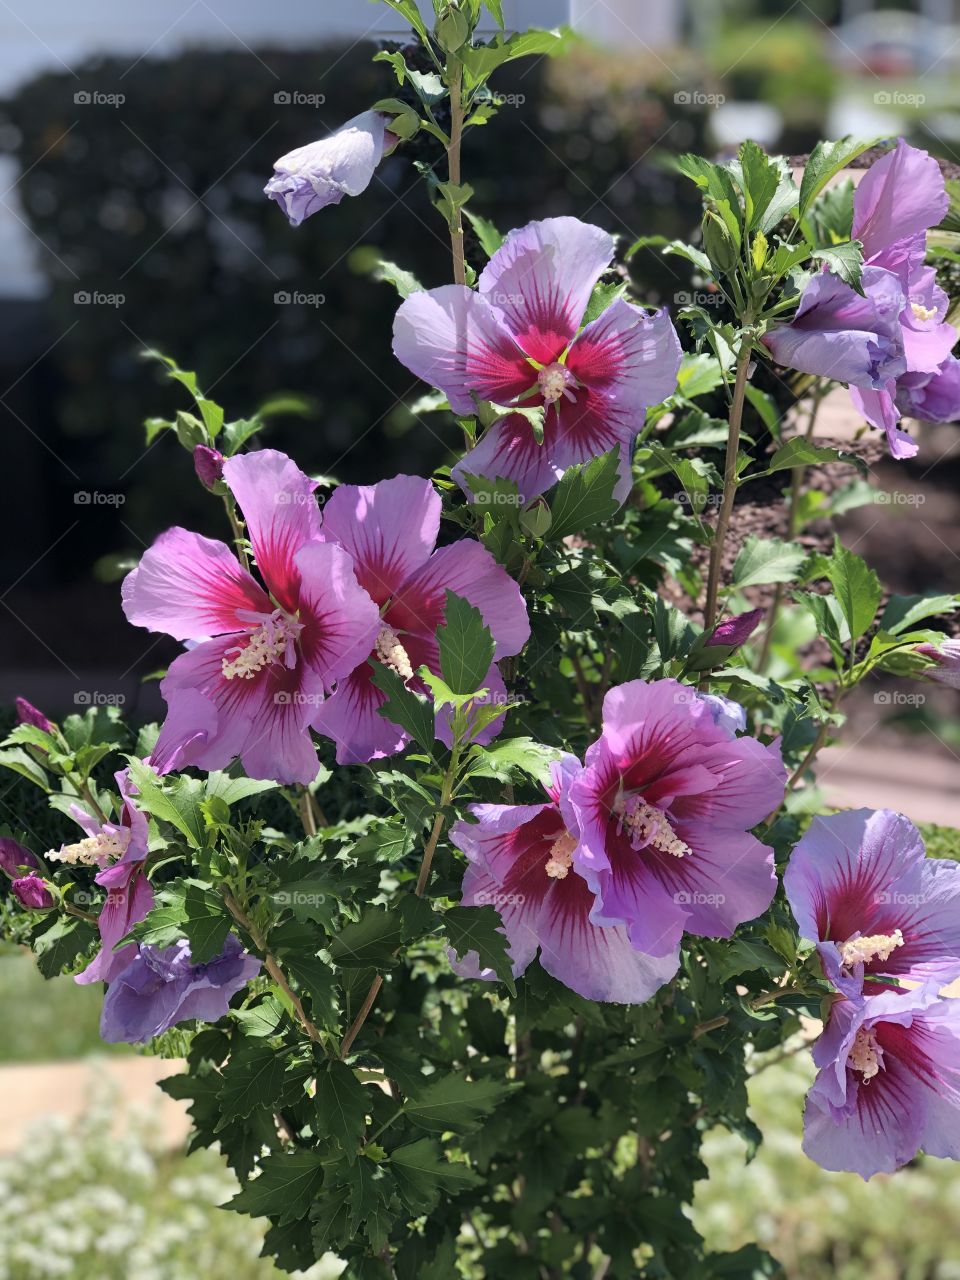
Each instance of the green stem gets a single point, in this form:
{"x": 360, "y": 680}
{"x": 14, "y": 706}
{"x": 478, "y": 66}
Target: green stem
{"x": 758, "y": 1002}
{"x": 455, "y": 84}
{"x": 729, "y": 487}
{"x": 238, "y": 537}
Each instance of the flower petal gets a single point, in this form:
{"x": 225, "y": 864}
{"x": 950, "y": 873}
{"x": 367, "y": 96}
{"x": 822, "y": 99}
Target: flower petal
{"x": 350, "y": 718}
{"x": 541, "y": 279}
{"x": 340, "y": 621}
{"x": 880, "y": 410}
{"x": 469, "y": 570}
{"x": 281, "y": 515}
{"x": 933, "y": 398}
{"x": 509, "y": 450}
{"x": 389, "y": 529}
{"x": 452, "y": 339}
{"x": 190, "y": 586}
{"x": 727, "y": 879}
{"x": 900, "y": 195}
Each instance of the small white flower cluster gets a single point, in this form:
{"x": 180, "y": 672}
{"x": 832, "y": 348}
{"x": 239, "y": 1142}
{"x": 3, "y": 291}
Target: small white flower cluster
{"x": 94, "y": 1200}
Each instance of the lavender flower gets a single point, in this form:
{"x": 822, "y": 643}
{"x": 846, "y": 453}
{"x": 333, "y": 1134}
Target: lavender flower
{"x": 15, "y": 859}
{"x": 736, "y": 631}
{"x": 888, "y": 1084}
{"x": 30, "y": 891}
{"x": 322, "y": 173}
{"x": 160, "y": 988}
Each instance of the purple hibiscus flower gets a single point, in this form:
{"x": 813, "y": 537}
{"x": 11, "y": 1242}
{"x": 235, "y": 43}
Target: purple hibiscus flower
{"x": 160, "y": 988}
{"x": 390, "y": 531}
{"x": 523, "y": 861}
{"x": 255, "y": 688}
{"x": 322, "y": 173}
{"x": 888, "y": 1084}
{"x": 119, "y": 849}
{"x": 664, "y": 806}
{"x": 735, "y": 631}
{"x": 910, "y": 371}
{"x": 946, "y": 657}
{"x": 860, "y": 886}
{"x": 515, "y": 341}
{"x": 30, "y": 891}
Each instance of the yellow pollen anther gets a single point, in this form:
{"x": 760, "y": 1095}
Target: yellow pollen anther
{"x": 91, "y": 851}
{"x": 878, "y": 946}
{"x": 556, "y": 380}
{"x": 866, "y": 1056}
{"x": 560, "y": 859}
{"x": 392, "y": 654}
{"x": 272, "y": 640}
{"x": 650, "y": 825}
{"x": 922, "y": 312}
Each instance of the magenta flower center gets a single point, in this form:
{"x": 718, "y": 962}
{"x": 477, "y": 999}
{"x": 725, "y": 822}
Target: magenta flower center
{"x": 866, "y": 1056}
{"x": 92, "y": 851}
{"x": 556, "y": 380}
{"x": 877, "y": 946}
{"x": 647, "y": 825}
{"x": 392, "y": 654}
{"x": 274, "y": 639}
{"x": 560, "y": 858}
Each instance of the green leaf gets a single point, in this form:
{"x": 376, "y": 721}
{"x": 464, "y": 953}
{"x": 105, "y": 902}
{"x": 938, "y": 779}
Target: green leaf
{"x": 488, "y": 235}
{"x": 20, "y": 761}
{"x": 286, "y": 1187}
{"x": 210, "y": 411}
{"x": 698, "y": 375}
{"x": 603, "y": 295}
{"x": 904, "y": 612}
{"x": 177, "y": 802}
{"x": 766, "y": 560}
{"x": 455, "y": 1103}
{"x": 585, "y": 495}
{"x": 405, "y": 282}
{"x": 59, "y": 946}
{"x": 408, "y": 10}
{"x": 342, "y": 1106}
{"x": 743, "y": 955}
{"x": 826, "y": 160}
{"x": 856, "y": 587}
{"x": 188, "y": 909}
{"x": 511, "y": 756}
{"x": 370, "y": 943}
{"x": 232, "y": 790}
{"x": 252, "y": 1078}
{"x": 480, "y": 929}
{"x": 466, "y": 646}
{"x": 404, "y": 707}
{"x": 845, "y": 261}
{"x": 799, "y": 451}
{"x": 422, "y": 1174}
{"x": 680, "y": 249}
{"x": 297, "y": 945}
{"x": 760, "y": 178}
{"x": 480, "y": 61}
{"x": 266, "y": 1018}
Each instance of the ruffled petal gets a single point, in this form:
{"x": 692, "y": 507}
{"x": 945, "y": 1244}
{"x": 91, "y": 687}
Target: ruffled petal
{"x": 541, "y": 279}
{"x": 125, "y": 905}
{"x": 350, "y": 718}
{"x": 880, "y": 410}
{"x": 340, "y": 621}
{"x": 900, "y": 195}
{"x": 469, "y": 570}
{"x": 281, "y": 515}
{"x": 454, "y": 340}
{"x": 931, "y": 398}
{"x": 509, "y": 450}
{"x": 728, "y": 878}
{"x": 389, "y": 529}
{"x": 189, "y": 587}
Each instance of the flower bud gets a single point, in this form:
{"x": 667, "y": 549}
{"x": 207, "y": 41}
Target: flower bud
{"x": 14, "y": 858}
{"x": 323, "y": 172}
{"x": 208, "y": 464}
{"x": 718, "y": 244}
{"x": 27, "y": 713}
{"x": 30, "y": 891}
{"x": 735, "y": 631}
{"x": 946, "y": 656}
